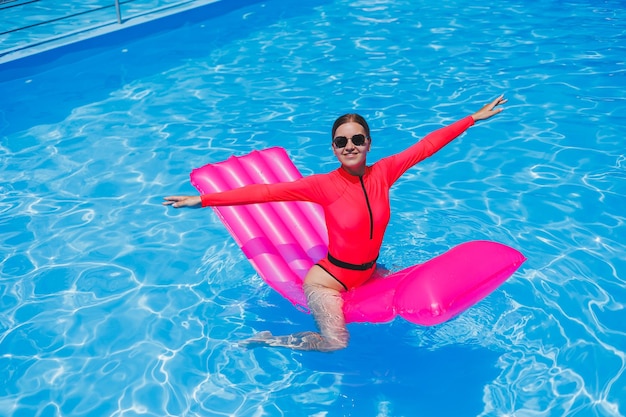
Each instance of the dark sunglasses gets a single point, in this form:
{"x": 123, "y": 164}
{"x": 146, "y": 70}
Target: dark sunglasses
{"x": 342, "y": 141}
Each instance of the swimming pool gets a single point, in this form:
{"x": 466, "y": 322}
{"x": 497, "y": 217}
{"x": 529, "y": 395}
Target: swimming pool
{"x": 114, "y": 305}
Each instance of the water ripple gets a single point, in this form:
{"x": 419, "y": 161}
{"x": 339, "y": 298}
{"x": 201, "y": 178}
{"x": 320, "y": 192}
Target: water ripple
{"x": 115, "y": 305}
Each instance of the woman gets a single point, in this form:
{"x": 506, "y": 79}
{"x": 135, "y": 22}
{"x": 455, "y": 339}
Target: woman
{"x": 355, "y": 199}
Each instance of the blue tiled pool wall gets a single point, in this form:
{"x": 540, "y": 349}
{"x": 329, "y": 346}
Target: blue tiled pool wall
{"x": 42, "y": 22}
{"x": 30, "y": 64}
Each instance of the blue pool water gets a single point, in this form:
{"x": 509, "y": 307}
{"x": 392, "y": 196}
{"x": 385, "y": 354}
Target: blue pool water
{"x": 113, "y": 305}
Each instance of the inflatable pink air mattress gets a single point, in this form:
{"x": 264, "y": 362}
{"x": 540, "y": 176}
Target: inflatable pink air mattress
{"x": 283, "y": 240}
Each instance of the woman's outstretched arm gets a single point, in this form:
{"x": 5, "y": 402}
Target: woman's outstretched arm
{"x": 490, "y": 109}
{"x": 179, "y": 201}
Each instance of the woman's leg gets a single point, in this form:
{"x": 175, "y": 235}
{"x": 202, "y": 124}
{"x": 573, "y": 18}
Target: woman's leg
{"x": 326, "y": 305}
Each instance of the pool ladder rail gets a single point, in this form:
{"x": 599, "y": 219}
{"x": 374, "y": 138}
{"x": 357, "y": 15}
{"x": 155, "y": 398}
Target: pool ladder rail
{"x": 54, "y": 29}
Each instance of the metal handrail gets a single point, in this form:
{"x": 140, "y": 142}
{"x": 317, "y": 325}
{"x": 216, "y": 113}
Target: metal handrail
{"x": 119, "y": 11}
{"x": 120, "y": 21}
{"x": 117, "y": 7}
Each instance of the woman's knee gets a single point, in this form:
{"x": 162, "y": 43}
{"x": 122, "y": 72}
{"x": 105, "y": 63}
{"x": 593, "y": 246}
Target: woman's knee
{"x": 338, "y": 343}
{"x": 333, "y": 347}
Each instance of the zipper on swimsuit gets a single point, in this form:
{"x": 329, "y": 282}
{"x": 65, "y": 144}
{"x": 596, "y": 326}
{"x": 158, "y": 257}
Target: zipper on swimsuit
{"x": 369, "y": 208}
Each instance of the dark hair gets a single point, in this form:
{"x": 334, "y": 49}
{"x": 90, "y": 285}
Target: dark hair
{"x": 351, "y": 117}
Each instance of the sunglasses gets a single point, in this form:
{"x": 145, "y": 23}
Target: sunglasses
{"x": 342, "y": 141}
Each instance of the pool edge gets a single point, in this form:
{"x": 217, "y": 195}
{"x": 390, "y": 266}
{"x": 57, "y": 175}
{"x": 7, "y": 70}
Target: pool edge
{"x": 24, "y": 61}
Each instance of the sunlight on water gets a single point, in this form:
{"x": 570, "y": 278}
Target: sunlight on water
{"x": 114, "y": 305}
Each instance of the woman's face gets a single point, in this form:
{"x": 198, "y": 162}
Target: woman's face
{"x": 351, "y": 156}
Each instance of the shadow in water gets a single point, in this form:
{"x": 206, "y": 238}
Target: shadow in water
{"x": 381, "y": 373}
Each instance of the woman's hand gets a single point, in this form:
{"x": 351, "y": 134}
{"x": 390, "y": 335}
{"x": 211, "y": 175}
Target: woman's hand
{"x": 179, "y": 201}
{"x": 490, "y": 109}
